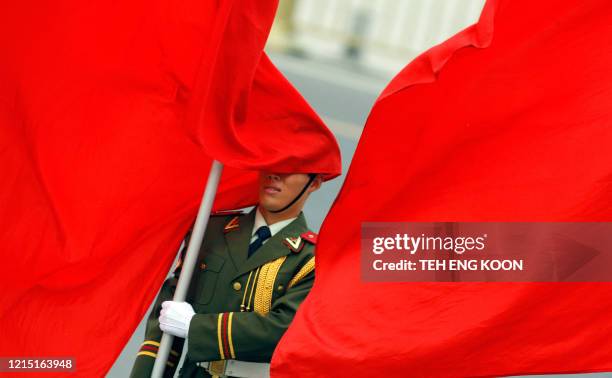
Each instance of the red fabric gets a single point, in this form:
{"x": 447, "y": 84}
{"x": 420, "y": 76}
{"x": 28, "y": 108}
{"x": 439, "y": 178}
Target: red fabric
{"x": 507, "y": 121}
{"x": 103, "y": 133}
{"x": 303, "y": 146}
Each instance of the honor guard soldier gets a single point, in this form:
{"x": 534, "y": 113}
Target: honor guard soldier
{"x": 253, "y": 271}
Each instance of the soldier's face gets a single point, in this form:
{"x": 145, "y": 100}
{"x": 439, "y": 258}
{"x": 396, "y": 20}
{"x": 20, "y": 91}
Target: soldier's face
{"x": 276, "y": 190}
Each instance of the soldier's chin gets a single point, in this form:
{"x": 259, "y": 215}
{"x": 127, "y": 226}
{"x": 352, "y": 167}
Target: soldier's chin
{"x": 270, "y": 204}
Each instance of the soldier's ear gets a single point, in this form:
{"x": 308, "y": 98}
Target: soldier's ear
{"x": 315, "y": 184}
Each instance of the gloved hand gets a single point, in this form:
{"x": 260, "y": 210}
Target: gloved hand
{"x": 175, "y": 318}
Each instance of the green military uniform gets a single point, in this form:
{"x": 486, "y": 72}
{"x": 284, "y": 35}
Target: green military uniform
{"x": 243, "y": 305}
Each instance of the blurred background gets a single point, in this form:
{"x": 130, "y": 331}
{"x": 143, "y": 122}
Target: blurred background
{"x": 340, "y": 54}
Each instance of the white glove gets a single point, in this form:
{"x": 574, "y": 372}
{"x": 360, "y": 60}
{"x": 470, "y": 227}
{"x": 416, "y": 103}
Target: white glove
{"x": 175, "y": 318}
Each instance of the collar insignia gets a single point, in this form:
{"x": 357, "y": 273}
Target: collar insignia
{"x": 294, "y": 244}
{"x": 231, "y": 225}
{"x": 309, "y": 237}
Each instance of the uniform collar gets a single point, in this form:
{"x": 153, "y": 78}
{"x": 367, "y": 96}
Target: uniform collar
{"x": 275, "y": 247}
{"x": 274, "y": 227}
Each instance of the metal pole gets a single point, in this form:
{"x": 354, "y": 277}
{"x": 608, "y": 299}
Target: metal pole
{"x": 191, "y": 258}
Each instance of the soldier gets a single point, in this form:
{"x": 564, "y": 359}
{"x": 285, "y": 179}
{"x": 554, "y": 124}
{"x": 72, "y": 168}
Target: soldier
{"x": 253, "y": 272}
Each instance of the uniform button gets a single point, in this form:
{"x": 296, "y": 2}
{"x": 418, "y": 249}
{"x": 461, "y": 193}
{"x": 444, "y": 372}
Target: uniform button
{"x": 202, "y": 266}
{"x": 280, "y": 288}
{"x": 237, "y": 286}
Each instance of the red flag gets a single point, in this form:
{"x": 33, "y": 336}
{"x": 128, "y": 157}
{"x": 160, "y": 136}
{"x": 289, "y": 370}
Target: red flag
{"x": 509, "y": 120}
{"x": 234, "y": 117}
{"x": 103, "y": 157}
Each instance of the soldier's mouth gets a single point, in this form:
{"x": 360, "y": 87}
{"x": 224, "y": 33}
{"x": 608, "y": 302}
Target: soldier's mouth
{"x": 271, "y": 189}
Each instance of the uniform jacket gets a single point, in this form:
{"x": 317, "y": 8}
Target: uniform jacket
{"x": 243, "y": 305}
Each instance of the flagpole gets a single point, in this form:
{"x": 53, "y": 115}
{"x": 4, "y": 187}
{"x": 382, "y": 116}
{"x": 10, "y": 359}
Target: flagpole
{"x": 190, "y": 260}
